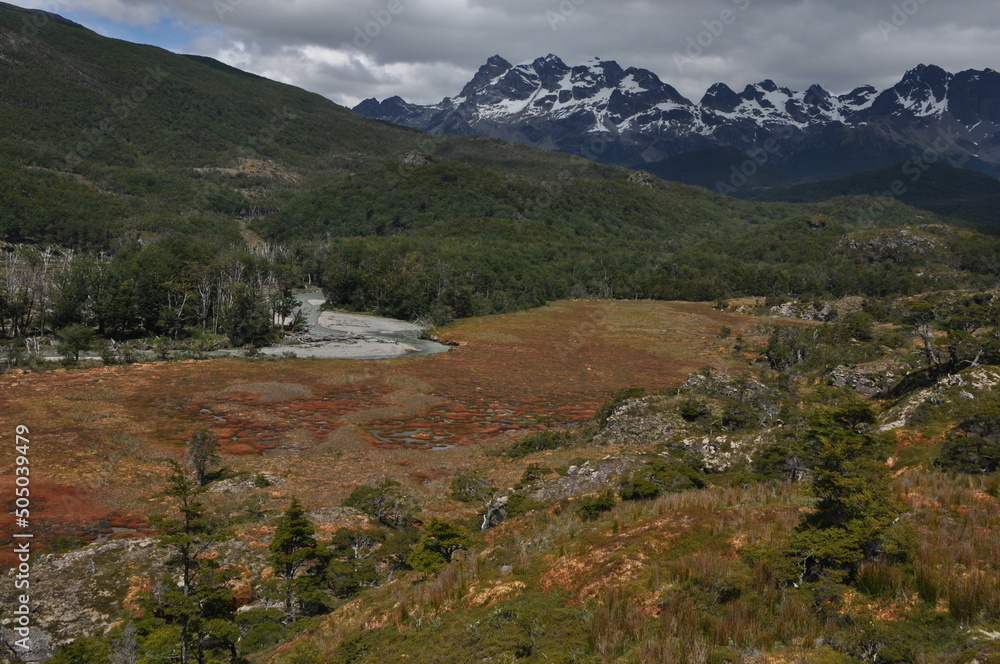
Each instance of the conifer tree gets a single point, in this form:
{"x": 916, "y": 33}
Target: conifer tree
{"x": 199, "y": 605}
{"x": 855, "y": 516}
{"x": 292, "y": 547}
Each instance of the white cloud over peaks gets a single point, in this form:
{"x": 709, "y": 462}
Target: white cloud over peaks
{"x": 424, "y": 50}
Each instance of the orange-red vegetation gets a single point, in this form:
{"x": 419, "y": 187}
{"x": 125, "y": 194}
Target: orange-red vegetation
{"x": 99, "y": 436}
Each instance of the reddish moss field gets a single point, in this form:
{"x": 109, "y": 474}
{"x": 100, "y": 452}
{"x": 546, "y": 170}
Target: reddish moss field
{"x": 99, "y": 435}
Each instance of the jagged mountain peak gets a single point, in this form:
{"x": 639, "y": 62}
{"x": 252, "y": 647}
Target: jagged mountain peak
{"x": 497, "y": 61}
{"x": 545, "y": 62}
{"x": 494, "y": 68}
{"x": 925, "y": 72}
{"x": 926, "y": 76}
{"x": 767, "y": 85}
{"x": 721, "y": 97}
{"x": 551, "y": 103}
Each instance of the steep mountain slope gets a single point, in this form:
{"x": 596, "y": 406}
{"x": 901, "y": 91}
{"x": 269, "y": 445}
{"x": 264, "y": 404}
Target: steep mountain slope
{"x": 100, "y": 136}
{"x": 630, "y": 116}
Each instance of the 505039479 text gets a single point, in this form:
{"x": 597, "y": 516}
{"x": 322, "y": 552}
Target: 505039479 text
{"x": 21, "y": 624}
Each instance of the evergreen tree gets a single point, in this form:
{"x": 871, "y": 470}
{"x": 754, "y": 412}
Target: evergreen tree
{"x": 441, "y": 539}
{"x": 247, "y": 320}
{"x": 855, "y": 515}
{"x": 200, "y": 601}
{"x": 76, "y": 339}
{"x": 292, "y": 547}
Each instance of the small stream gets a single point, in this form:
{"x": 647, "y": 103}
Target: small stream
{"x": 334, "y": 335}
{"x": 328, "y": 335}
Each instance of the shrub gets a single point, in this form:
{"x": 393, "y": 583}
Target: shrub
{"x": 788, "y": 346}
{"x": 780, "y": 463}
{"x": 537, "y": 442}
{"x": 593, "y": 506}
{"x": 860, "y": 325}
{"x": 518, "y": 504}
{"x": 75, "y": 339}
{"x": 347, "y": 578}
{"x": 974, "y": 447}
{"x": 263, "y": 635}
{"x": 534, "y": 472}
{"x": 84, "y": 650}
{"x": 471, "y": 487}
{"x": 384, "y": 502}
{"x": 693, "y": 409}
{"x": 659, "y": 476}
{"x": 434, "y": 550}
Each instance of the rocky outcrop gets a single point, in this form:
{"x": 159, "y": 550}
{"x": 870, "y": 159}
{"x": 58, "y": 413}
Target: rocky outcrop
{"x": 81, "y": 592}
{"x": 868, "y": 379}
{"x": 895, "y": 245}
{"x": 84, "y": 591}
{"x": 967, "y": 386}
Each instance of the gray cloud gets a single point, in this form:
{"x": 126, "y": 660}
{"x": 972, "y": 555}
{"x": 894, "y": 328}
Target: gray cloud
{"x": 424, "y": 50}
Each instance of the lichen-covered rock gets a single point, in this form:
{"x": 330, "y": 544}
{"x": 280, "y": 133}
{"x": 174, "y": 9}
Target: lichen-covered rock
{"x": 971, "y": 384}
{"x": 868, "y": 379}
{"x": 82, "y": 592}
{"x": 641, "y": 178}
{"x": 722, "y": 453}
{"x": 643, "y": 421}
{"x": 591, "y": 476}
{"x": 415, "y": 159}
{"x": 804, "y": 311}
{"x": 891, "y": 244}
{"x": 39, "y": 645}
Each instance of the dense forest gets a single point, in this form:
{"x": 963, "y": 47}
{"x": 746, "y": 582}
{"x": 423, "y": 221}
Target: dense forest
{"x": 140, "y": 223}
{"x": 445, "y": 240}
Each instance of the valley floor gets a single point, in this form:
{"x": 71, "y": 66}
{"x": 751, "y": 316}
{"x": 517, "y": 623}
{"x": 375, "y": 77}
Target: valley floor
{"x": 323, "y": 426}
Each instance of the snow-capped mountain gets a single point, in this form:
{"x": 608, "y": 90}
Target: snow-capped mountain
{"x": 630, "y": 116}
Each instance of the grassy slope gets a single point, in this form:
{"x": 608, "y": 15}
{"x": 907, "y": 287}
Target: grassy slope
{"x": 643, "y": 581}
{"x": 680, "y": 578}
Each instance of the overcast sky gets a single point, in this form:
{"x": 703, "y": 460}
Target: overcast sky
{"x": 425, "y": 50}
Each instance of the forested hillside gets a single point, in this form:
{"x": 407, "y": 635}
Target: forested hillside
{"x": 202, "y": 187}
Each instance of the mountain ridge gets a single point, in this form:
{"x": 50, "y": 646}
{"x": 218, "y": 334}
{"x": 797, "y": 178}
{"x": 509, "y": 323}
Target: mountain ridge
{"x": 640, "y": 119}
